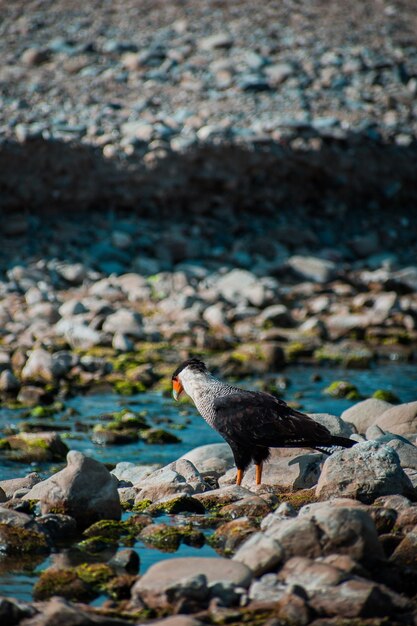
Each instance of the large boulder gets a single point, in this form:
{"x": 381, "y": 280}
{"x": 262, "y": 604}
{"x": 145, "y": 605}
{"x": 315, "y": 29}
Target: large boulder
{"x": 153, "y": 587}
{"x": 211, "y": 457}
{"x": 260, "y": 553}
{"x": 365, "y": 472}
{"x": 336, "y": 425}
{"x": 364, "y": 414}
{"x": 344, "y": 530}
{"x": 84, "y": 489}
{"x": 297, "y": 472}
{"x": 400, "y": 419}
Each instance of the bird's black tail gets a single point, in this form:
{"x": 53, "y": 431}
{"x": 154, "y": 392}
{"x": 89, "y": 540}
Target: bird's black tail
{"x": 335, "y": 444}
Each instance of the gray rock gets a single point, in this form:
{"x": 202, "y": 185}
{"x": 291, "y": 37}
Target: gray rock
{"x": 221, "y": 497}
{"x": 131, "y": 473}
{"x": 3, "y": 496}
{"x": 345, "y": 530}
{"x": 84, "y": 489}
{"x": 364, "y": 414}
{"x": 73, "y": 273}
{"x": 309, "y": 574}
{"x": 335, "y": 424}
{"x": 366, "y": 471}
{"x": 34, "y": 541}
{"x": 312, "y": 268}
{"x": 8, "y": 382}
{"x": 134, "y": 286}
{"x": 13, "y": 484}
{"x": 400, "y": 419}
{"x": 161, "y": 483}
{"x": 211, "y": 456}
{"x": 297, "y": 537}
{"x": 298, "y": 472}
{"x": 267, "y": 589}
{"x": 276, "y": 314}
{"x": 219, "y": 40}
{"x": 38, "y": 366}
{"x": 122, "y": 343}
{"x": 72, "y": 307}
{"x": 127, "y": 560}
{"x": 78, "y": 335}
{"x": 45, "y": 311}
{"x": 153, "y": 585}
{"x": 125, "y": 322}
{"x": 277, "y": 73}
{"x": 242, "y": 286}
{"x": 260, "y": 553}
{"x": 406, "y": 451}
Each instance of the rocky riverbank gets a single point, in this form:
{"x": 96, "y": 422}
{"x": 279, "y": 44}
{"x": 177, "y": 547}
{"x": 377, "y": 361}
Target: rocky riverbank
{"x": 293, "y": 556}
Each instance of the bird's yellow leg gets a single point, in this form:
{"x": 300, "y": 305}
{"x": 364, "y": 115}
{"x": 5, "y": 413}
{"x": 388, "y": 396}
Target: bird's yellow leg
{"x": 258, "y": 473}
{"x": 239, "y": 476}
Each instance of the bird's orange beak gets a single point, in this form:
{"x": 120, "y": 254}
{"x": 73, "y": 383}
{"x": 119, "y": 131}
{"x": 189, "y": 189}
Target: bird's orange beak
{"x": 177, "y": 388}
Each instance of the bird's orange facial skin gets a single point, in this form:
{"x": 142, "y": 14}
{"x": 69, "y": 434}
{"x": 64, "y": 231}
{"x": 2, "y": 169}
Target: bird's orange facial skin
{"x": 177, "y": 388}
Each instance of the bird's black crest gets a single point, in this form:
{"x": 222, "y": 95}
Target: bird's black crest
{"x": 194, "y": 364}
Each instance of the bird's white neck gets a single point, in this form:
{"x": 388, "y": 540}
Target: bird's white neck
{"x": 203, "y": 388}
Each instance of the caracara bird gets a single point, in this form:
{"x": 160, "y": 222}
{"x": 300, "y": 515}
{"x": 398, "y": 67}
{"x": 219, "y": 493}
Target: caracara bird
{"x": 251, "y": 422}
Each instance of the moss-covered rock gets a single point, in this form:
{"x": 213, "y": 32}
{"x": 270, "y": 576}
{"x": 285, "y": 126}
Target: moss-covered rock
{"x": 298, "y": 499}
{"x": 141, "y": 505}
{"x": 158, "y": 436}
{"x": 295, "y": 350}
{"x": 15, "y": 540}
{"x": 64, "y": 583}
{"x": 97, "y": 544}
{"x": 104, "y": 436}
{"x": 118, "y": 588}
{"x": 82, "y": 583}
{"x": 128, "y": 387}
{"x": 343, "y": 389}
{"x": 37, "y": 447}
{"x": 161, "y": 536}
{"x": 181, "y": 504}
{"x": 46, "y": 410}
{"x": 348, "y": 354}
{"x": 228, "y": 536}
{"x": 386, "y": 395}
{"x": 95, "y": 574}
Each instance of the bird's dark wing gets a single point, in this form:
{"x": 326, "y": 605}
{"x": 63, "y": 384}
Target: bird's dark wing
{"x": 259, "y": 419}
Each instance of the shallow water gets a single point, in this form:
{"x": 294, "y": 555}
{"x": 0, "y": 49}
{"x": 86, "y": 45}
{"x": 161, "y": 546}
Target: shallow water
{"x": 17, "y": 579}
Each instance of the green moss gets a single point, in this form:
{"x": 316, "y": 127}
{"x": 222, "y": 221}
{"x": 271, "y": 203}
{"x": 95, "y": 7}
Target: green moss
{"x": 4, "y": 444}
{"x": 41, "y": 411}
{"x": 80, "y": 583}
{"x": 298, "y": 499}
{"x": 162, "y": 537}
{"x": 110, "y": 529}
{"x": 158, "y": 436}
{"x": 95, "y": 574}
{"x": 96, "y": 544}
{"x": 343, "y": 389}
{"x": 296, "y": 349}
{"x": 348, "y": 356}
{"x": 141, "y": 506}
{"x": 386, "y": 395}
{"x": 177, "y": 505}
{"x": 128, "y": 388}
{"x": 21, "y": 540}
{"x": 61, "y": 582}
